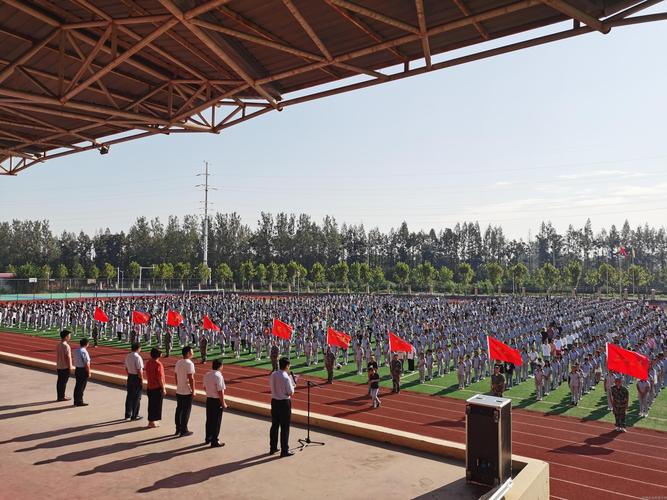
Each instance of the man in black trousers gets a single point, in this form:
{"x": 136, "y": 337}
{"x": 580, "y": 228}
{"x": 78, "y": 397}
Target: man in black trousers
{"x": 81, "y": 372}
{"x": 214, "y": 384}
{"x": 282, "y": 388}
{"x": 185, "y": 391}
{"x": 134, "y": 367}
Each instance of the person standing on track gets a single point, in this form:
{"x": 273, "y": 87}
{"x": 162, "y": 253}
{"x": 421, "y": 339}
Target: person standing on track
{"x": 396, "y": 368}
{"x": 64, "y": 364}
{"x": 619, "y": 399}
{"x": 497, "y": 382}
{"x": 214, "y": 384}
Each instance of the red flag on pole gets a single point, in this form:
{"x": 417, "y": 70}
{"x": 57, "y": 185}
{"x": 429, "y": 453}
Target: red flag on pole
{"x": 282, "y": 330}
{"x": 338, "y": 339}
{"x": 503, "y": 352}
{"x": 628, "y": 362}
{"x": 397, "y": 344}
{"x": 140, "y": 318}
{"x": 174, "y": 318}
{"x": 100, "y": 315}
{"x": 209, "y": 325}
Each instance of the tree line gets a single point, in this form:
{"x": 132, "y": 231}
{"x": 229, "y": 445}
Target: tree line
{"x": 294, "y": 249}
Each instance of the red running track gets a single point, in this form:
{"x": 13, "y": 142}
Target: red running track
{"x": 587, "y": 459}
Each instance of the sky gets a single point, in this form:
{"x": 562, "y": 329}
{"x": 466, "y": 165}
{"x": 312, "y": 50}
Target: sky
{"x": 562, "y": 132}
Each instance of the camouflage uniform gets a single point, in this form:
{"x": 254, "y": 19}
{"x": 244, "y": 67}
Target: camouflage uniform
{"x": 274, "y": 357}
{"x": 329, "y": 361}
{"x": 396, "y": 369}
{"x": 619, "y": 399}
{"x": 497, "y": 384}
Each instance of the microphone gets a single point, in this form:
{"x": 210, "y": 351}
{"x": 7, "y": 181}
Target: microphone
{"x": 294, "y": 377}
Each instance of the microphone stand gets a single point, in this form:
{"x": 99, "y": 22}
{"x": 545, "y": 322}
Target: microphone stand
{"x": 307, "y": 442}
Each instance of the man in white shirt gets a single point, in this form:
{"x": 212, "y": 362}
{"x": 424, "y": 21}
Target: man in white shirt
{"x": 134, "y": 367}
{"x": 81, "y": 372}
{"x": 282, "y": 388}
{"x": 185, "y": 390}
{"x": 214, "y": 384}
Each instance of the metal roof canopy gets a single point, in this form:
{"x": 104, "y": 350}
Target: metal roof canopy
{"x": 77, "y": 75}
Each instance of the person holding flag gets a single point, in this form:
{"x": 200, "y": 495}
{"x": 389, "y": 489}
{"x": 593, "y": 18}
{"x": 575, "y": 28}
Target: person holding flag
{"x": 619, "y": 400}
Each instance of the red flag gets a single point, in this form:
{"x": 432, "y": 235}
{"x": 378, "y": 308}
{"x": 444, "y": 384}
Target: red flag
{"x": 397, "y": 344}
{"x": 282, "y": 330}
{"x": 623, "y": 252}
{"x": 209, "y": 325}
{"x": 503, "y": 352}
{"x": 337, "y": 338}
{"x": 628, "y": 362}
{"x": 140, "y": 318}
{"x": 100, "y": 315}
{"x": 174, "y": 318}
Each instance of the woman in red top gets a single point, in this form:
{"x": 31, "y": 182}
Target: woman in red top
{"x": 156, "y": 388}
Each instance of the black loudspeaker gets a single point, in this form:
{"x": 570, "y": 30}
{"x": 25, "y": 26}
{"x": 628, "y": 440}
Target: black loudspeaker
{"x": 488, "y": 440}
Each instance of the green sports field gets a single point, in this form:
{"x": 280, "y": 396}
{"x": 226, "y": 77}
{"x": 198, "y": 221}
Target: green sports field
{"x": 593, "y": 406}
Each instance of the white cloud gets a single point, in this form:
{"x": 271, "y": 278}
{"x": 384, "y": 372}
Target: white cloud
{"x": 621, "y": 174}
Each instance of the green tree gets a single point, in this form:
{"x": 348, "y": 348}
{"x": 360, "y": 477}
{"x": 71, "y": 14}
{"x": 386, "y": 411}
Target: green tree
{"x": 202, "y": 272}
{"x": 401, "y": 273}
{"x": 11, "y": 269}
{"x": 341, "y": 272}
{"x": 592, "y": 278}
{"x": 519, "y": 273}
{"x": 573, "y": 272}
{"x": 355, "y": 274}
{"x": 317, "y": 274}
{"x": 549, "y": 276}
{"x": 109, "y": 272}
{"x": 27, "y": 270}
{"x": 246, "y": 273}
{"x": 45, "y": 272}
{"x": 61, "y": 272}
{"x": 260, "y": 273}
{"x": 182, "y": 271}
{"x": 282, "y": 273}
{"x": 426, "y": 274}
{"x": 78, "y": 272}
{"x": 496, "y": 273}
{"x": 167, "y": 271}
{"x": 134, "y": 271}
{"x": 466, "y": 275}
{"x": 377, "y": 278}
{"x": 292, "y": 272}
{"x": 223, "y": 274}
{"x": 365, "y": 274}
{"x": 272, "y": 274}
{"x": 93, "y": 272}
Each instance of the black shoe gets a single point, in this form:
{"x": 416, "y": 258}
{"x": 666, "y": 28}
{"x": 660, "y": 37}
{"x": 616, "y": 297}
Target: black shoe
{"x": 81, "y": 404}
{"x": 215, "y": 444}
{"x": 177, "y": 433}
{"x": 286, "y": 454}
{"x": 273, "y": 452}
{"x": 207, "y": 441}
{"x": 138, "y": 417}
{"x": 186, "y": 433}
{"x": 64, "y": 399}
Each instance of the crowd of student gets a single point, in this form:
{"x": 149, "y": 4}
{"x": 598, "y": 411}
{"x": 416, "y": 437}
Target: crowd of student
{"x": 561, "y": 340}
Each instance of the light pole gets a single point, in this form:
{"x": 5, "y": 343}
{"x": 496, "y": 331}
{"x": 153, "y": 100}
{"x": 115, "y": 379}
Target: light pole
{"x": 119, "y": 280}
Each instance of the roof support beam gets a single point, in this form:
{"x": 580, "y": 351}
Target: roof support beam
{"x": 419, "y": 5}
{"x": 120, "y": 59}
{"x": 376, "y": 15}
{"x": 27, "y": 55}
{"x": 466, "y": 12}
{"x": 570, "y": 11}
{"x": 203, "y": 8}
{"x": 217, "y": 50}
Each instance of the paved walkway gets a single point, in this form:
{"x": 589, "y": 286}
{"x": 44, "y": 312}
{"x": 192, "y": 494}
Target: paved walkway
{"x": 56, "y": 451}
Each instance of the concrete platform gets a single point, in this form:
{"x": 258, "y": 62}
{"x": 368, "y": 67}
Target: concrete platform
{"x": 54, "y": 450}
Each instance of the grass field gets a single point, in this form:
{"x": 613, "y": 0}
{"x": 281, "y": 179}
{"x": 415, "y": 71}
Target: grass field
{"x": 593, "y": 406}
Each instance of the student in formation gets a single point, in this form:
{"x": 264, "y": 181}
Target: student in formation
{"x": 374, "y": 384}
{"x": 643, "y": 388}
{"x": 539, "y": 382}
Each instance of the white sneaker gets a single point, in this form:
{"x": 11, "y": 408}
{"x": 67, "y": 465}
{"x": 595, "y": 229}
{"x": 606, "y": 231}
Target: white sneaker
{"x": 623, "y": 429}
